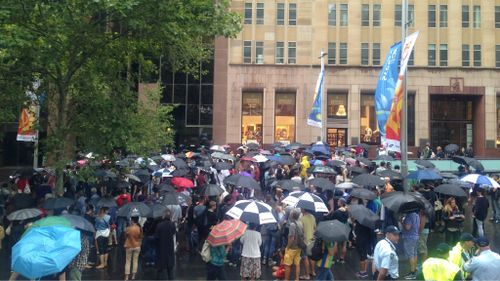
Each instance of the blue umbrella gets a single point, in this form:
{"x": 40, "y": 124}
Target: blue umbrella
{"x": 427, "y": 174}
{"x": 320, "y": 148}
{"x": 45, "y": 250}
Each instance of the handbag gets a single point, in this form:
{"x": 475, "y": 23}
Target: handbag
{"x": 206, "y": 256}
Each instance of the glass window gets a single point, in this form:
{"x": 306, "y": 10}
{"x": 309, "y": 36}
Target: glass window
{"x": 431, "y": 14}
{"x": 251, "y": 117}
{"x": 465, "y": 55}
{"x": 365, "y": 15}
{"x": 336, "y": 105}
{"x": 344, "y": 17}
{"x": 443, "y": 15}
{"x": 376, "y": 14}
{"x": 259, "y": 17}
{"x": 443, "y": 55}
{"x": 497, "y": 55}
{"x": 376, "y": 54}
{"x": 247, "y": 51}
{"x": 498, "y": 121}
{"x": 280, "y": 52}
{"x": 369, "y": 128}
{"x": 332, "y": 52}
{"x": 411, "y": 118}
{"x": 280, "y": 14}
{"x": 431, "y": 55}
{"x": 465, "y": 15}
{"x": 497, "y": 16}
{"x": 411, "y": 15}
{"x": 477, "y": 17}
{"x": 364, "y": 53}
{"x": 332, "y": 14}
{"x": 477, "y": 55}
{"x": 292, "y": 52}
{"x": 411, "y": 59}
{"x": 397, "y": 15}
{"x": 259, "y": 52}
{"x": 343, "y": 53}
{"x": 336, "y": 137}
{"x": 248, "y": 13}
{"x": 292, "y": 14}
{"x": 284, "y": 114}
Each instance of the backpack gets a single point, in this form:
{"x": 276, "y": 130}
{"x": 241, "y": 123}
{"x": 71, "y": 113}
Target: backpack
{"x": 205, "y": 252}
{"x": 317, "y": 249}
{"x": 300, "y": 237}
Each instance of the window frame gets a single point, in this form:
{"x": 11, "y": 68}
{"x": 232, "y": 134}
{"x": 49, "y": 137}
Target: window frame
{"x": 292, "y": 14}
{"x": 375, "y": 54}
{"x": 343, "y": 59}
{"x": 497, "y": 55}
{"x": 332, "y": 14}
{"x": 344, "y": 12}
{"x": 261, "y": 109}
{"x": 443, "y": 54}
{"x": 280, "y": 10}
{"x": 247, "y": 49}
{"x": 330, "y": 96}
{"x": 259, "y": 20}
{"x": 365, "y": 14}
{"x": 365, "y": 54}
{"x": 443, "y": 16}
{"x": 398, "y": 15}
{"x": 248, "y": 13}
{"x": 332, "y": 53}
{"x": 476, "y": 16}
{"x": 277, "y": 51}
{"x": 376, "y": 10}
{"x": 497, "y": 16}
{"x": 465, "y": 16}
{"x": 292, "y": 49}
{"x": 465, "y": 55}
{"x": 294, "y": 115}
{"x": 430, "y": 12}
{"x": 431, "y": 51}
{"x": 477, "y": 57}
{"x": 257, "y": 48}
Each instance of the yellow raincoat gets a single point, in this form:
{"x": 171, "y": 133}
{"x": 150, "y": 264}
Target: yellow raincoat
{"x": 304, "y": 165}
{"x": 437, "y": 269}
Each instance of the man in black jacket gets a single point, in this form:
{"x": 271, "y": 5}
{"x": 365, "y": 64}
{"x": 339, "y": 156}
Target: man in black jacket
{"x": 164, "y": 236}
{"x": 480, "y": 211}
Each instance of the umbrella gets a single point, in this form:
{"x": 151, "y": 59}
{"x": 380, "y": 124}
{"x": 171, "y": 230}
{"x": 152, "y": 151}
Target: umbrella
{"x": 385, "y": 157}
{"x": 277, "y": 144}
{"x": 364, "y": 216}
{"x": 363, "y": 193}
{"x": 357, "y": 170}
{"x": 133, "y": 177}
{"x": 336, "y": 163}
{"x": 400, "y": 202}
{"x": 218, "y": 148}
{"x": 122, "y": 184}
{"x": 333, "y": 231}
{"x": 170, "y": 199}
{"x": 223, "y": 156}
{"x": 323, "y": 183}
{"x": 289, "y": 184}
{"x": 346, "y": 185}
{"x": 317, "y": 162}
{"x": 322, "y": 170}
{"x": 462, "y": 160}
{"x": 320, "y": 148}
{"x": 52, "y": 221}
{"x": 58, "y": 203}
{"x": 259, "y": 158}
{"x": 428, "y": 207}
{"x": 134, "y": 209}
{"x": 107, "y": 202}
{"x": 247, "y": 158}
{"x": 212, "y": 190}
{"x": 450, "y": 190}
{"x": 24, "y": 214}
{"x": 242, "y": 181}
{"x": 368, "y": 180}
{"x": 451, "y": 148}
{"x": 168, "y": 157}
{"x": 480, "y": 179}
{"x": 224, "y": 166}
{"x": 425, "y": 163}
{"x": 391, "y": 174}
{"x": 180, "y": 172}
{"x": 157, "y": 211}
{"x": 164, "y": 187}
{"x": 104, "y": 174}
{"x": 226, "y": 232}
{"x": 426, "y": 174}
{"x": 252, "y": 146}
{"x": 364, "y": 161}
{"x": 295, "y": 145}
{"x": 143, "y": 175}
{"x": 23, "y": 201}
{"x": 45, "y": 250}
{"x": 182, "y": 182}
{"x": 283, "y": 159}
{"x": 459, "y": 159}
{"x": 252, "y": 211}
{"x": 449, "y": 175}
{"x": 306, "y": 200}
{"x": 79, "y": 222}
{"x": 179, "y": 163}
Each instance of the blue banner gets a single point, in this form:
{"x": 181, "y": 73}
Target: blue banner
{"x": 314, "y": 118}
{"x": 385, "y": 87}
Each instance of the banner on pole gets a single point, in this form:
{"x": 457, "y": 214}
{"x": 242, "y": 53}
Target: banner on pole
{"x": 314, "y": 118}
{"x": 28, "y": 120}
{"x": 393, "y": 126}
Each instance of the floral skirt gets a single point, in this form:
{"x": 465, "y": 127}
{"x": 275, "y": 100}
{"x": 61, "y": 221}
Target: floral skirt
{"x": 250, "y": 268}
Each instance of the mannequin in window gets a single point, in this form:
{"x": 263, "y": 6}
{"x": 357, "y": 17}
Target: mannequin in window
{"x": 368, "y": 134}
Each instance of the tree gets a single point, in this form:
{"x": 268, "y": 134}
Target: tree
{"x": 85, "y": 53}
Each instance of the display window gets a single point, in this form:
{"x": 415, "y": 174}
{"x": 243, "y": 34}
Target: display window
{"x": 285, "y": 105}
{"x": 251, "y": 119}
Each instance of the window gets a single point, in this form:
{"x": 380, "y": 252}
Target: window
{"x": 251, "y": 117}
{"x": 332, "y": 15}
{"x": 365, "y": 15}
{"x": 431, "y": 14}
{"x": 465, "y": 55}
{"x": 292, "y": 52}
{"x": 411, "y": 15}
{"x": 431, "y": 55}
{"x": 497, "y": 55}
{"x": 477, "y": 17}
{"x": 411, "y": 59}
{"x": 465, "y": 15}
{"x": 336, "y": 105}
{"x": 280, "y": 14}
{"x": 411, "y": 118}
{"x": 368, "y": 119}
{"x": 248, "y": 13}
{"x": 343, "y": 53}
{"x": 247, "y": 51}
{"x": 497, "y": 16}
{"x": 332, "y": 53}
{"x": 443, "y": 15}
{"x": 364, "y": 53}
{"x": 259, "y": 52}
{"x": 284, "y": 114}
{"x": 397, "y": 15}
{"x": 376, "y": 54}
{"x": 477, "y": 55}
{"x": 280, "y": 52}
{"x": 336, "y": 137}
{"x": 443, "y": 55}
{"x": 292, "y": 14}
{"x": 259, "y": 17}
{"x": 344, "y": 18}
{"x": 376, "y": 14}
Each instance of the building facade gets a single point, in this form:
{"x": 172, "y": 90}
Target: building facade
{"x": 264, "y": 79}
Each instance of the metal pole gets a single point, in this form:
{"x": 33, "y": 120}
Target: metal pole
{"x": 323, "y": 100}
{"x": 404, "y": 111}
{"x": 35, "y": 155}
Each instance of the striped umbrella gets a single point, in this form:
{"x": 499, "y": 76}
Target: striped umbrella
{"x": 226, "y": 232}
{"x": 480, "y": 179}
{"x": 252, "y": 211}
{"x": 306, "y": 200}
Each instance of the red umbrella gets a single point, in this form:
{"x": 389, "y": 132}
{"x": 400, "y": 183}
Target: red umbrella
{"x": 182, "y": 182}
{"x": 248, "y": 159}
{"x": 226, "y": 232}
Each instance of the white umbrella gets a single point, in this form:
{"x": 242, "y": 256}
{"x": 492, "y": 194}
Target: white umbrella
{"x": 218, "y": 148}
{"x": 252, "y": 211}
{"x": 259, "y": 158}
{"x": 306, "y": 200}
{"x": 480, "y": 179}
{"x": 168, "y": 157}
{"x": 346, "y": 185}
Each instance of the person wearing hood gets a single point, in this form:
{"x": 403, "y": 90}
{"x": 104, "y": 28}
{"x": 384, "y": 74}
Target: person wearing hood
{"x": 304, "y": 165}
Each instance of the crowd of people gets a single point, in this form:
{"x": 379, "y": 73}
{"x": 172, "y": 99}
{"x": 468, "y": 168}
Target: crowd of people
{"x": 285, "y": 245}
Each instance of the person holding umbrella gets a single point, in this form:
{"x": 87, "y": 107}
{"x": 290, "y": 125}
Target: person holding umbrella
{"x": 165, "y": 251}
{"x": 133, "y": 240}
{"x": 102, "y": 226}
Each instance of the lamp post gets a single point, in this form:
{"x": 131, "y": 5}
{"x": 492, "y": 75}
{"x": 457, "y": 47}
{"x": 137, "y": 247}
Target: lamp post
{"x": 404, "y": 110}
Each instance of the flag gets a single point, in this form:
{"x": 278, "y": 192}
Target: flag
{"x": 393, "y": 126}
{"x": 28, "y": 120}
{"x": 314, "y": 118}
{"x": 385, "y": 87}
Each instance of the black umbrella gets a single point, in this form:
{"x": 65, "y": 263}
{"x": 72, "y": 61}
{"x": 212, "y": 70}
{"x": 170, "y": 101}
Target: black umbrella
{"x": 164, "y": 187}
{"x": 24, "y": 214}
{"x": 107, "y": 202}
{"x": 80, "y": 223}
{"x": 223, "y": 166}
{"x": 428, "y": 207}
{"x": 104, "y": 174}
{"x": 364, "y": 146}
{"x": 368, "y": 180}
{"x": 474, "y": 163}
{"x": 134, "y": 209}
{"x": 212, "y": 190}
{"x": 357, "y": 170}
{"x": 401, "y": 202}
{"x": 450, "y": 190}
{"x": 336, "y": 163}
{"x": 322, "y": 170}
{"x": 58, "y": 203}
{"x": 143, "y": 174}
{"x": 333, "y": 231}
{"x": 157, "y": 211}
{"x": 23, "y": 201}
{"x": 252, "y": 146}
{"x": 425, "y": 163}
{"x": 451, "y": 148}
{"x": 180, "y": 172}
{"x": 287, "y": 159}
{"x": 363, "y": 160}
{"x": 363, "y": 193}
{"x": 449, "y": 175}
{"x": 122, "y": 184}
{"x": 391, "y": 174}
{"x": 170, "y": 198}
{"x": 364, "y": 216}
{"x": 243, "y": 181}
{"x": 289, "y": 184}
{"x": 277, "y": 144}
{"x": 385, "y": 157}
{"x": 323, "y": 183}
{"x": 179, "y": 163}
{"x": 295, "y": 145}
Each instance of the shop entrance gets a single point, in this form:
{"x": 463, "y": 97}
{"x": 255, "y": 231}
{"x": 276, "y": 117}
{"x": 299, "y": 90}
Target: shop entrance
{"x": 336, "y": 137}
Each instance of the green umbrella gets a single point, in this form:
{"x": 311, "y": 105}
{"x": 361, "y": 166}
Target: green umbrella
{"x": 52, "y": 221}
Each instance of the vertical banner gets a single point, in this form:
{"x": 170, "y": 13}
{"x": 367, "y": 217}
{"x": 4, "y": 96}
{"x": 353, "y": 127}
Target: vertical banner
{"x": 393, "y": 126}
{"x": 385, "y": 87}
{"x": 27, "y": 129}
{"x": 314, "y": 118}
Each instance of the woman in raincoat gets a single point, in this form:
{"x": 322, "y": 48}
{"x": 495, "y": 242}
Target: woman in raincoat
{"x": 304, "y": 165}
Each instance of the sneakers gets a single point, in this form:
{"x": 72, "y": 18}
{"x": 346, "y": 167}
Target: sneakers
{"x": 272, "y": 263}
{"x": 362, "y": 275}
{"x": 410, "y": 276}
{"x": 264, "y": 261}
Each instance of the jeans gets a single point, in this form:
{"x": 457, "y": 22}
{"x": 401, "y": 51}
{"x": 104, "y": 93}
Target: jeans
{"x": 269, "y": 245}
{"x": 121, "y": 224}
{"x": 235, "y": 254}
{"x": 496, "y": 208}
{"x": 149, "y": 249}
{"x": 131, "y": 255}
{"x": 324, "y": 274}
{"x": 478, "y": 228}
{"x": 215, "y": 272}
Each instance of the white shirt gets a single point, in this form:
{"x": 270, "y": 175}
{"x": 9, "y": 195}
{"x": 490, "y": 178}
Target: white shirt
{"x": 385, "y": 256}
{"x": 486, "y": 266}
{"x": 251, "y": 241}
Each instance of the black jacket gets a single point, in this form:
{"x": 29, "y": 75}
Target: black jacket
{"x": 164, "y": 236}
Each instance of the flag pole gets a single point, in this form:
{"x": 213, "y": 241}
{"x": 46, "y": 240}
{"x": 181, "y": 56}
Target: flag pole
{"x": 404, "y": 110}
{"x": 323, "y": 99}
